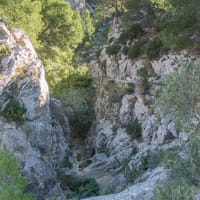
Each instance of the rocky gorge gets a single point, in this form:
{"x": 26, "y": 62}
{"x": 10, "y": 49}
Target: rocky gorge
{"x": 128, "y": 135}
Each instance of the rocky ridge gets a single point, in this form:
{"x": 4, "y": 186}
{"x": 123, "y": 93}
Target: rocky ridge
{"x": 34, "y": 133}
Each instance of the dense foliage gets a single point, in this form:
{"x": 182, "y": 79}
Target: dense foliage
{"x": 180, "y": 96}
{"x": 162, "y": 25}
{"x": 12, "y": 184}
{"x": 54, "y": 28}
{"x": 84, "y": 188}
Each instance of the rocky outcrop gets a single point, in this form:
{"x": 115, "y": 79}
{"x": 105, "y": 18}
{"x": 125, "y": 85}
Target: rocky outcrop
{"x": 141, "y": 191}
{"x": 77, "y": 4}
{"x": 125, "y": 91}
{"x": 28, "y": 127}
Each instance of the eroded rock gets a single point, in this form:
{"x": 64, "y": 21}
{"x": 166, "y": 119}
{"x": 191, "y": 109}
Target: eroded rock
{"x": 27, "y": 127}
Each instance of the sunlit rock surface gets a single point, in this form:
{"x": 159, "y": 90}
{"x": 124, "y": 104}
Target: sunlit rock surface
{"x": 35, "y": 136}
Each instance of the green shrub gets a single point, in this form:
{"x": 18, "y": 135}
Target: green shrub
{"x": 135, "y": 50}
{"x": 130, "y": 88}
{"x": 115, "y": 96}
{"x": 174, "y": 191}
{"x": 174, "y": 42}
{"x": 177, "y": 97}
{"x": 188, "y": 169}
{"x": 116, "y": 92}
{"x": 14, "y": 111}
{"x": 12, "y": 184}
{"x": 78, "y": 106}
{"x": 125, "y": 50}
{"x": 184, "y": 174}
{"x": 144, "y": 73}
{"x": 134, "y": 129}
{"x": 145, "y": 162}
{"x": 153, "y": 48}
{"x": 78, "y": 80}
{"x": 134, "y": 32}
{"x": 4, "y": 51}
{"x": 85, "y": 188}
{"x": 124, "y": 37}
{"x": 113, "y": 49}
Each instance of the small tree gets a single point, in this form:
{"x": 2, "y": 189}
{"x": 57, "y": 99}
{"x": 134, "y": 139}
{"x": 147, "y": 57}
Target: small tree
{"x": 12, "y": 184}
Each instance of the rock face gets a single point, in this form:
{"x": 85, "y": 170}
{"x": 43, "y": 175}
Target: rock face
{"x": 141, "y": 191}
{"x": 77, "y": 4}
{"x": 124, "y": 96}
{"x": 28, "y": 127}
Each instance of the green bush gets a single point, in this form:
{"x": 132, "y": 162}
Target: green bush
{"x": 130, "y": 88}
{"x": 12, "y": 184}
{"x": 134, "y": 129}
{"x": 125, "y": 50}
{"x": 174, "y": 191}
{"x": 116, "y": 92}
{"x": 77, "y": 104}
{"x": 134, "y": 32}
{"x": 145, "y": 73}
{"x": 85, "y": 188}
{"x": 14, "y": 111}
{"x": 78, "y": 80}
{"x": 184, "y": 176}
{"x": 136, "y": 50}
{"x": 153, "y": 48}
{"x": 177, "y": 97}
{"x": 145, "y": 163}
{"x": 188, "y": 169}
{"x": 4, "y": 51}
{"x": 113, "y": 49}
{"x": 174, "y": 42}
{"x": 124, "y": 37}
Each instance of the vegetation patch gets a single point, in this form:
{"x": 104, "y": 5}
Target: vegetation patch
{"x": 84, "y": 188}
{"x": 153, "y": 48}
{"x": 134, "y": 129}
{"x": 136, "y": 50}
{"x": 130, "y": 88}
{"x": 134, "y": 32}
{"x": 12, "y": 184}
{"x": 125, "y": 50}
{"x": 113, "y": 49}
{"x": 14, "y": 111}
{"x": 4, "y": 51}
{"x": 184, "y": 175}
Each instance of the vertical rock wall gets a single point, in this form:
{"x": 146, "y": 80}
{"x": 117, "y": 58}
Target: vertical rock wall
{"x": 28, "y": 128}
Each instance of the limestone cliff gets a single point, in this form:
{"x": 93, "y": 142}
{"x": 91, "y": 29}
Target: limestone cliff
{"x": 124, "y": 96}
{"x": 28, "y": 125}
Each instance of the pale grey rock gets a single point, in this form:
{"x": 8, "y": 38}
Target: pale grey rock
{"x": 149, "y": 128}
{"x": 143, "y": 190}
{"x": 125, "y": 113}
{"x": 171, "y": 127}
{"x": 77, "y": 4}
{"x": 169, "y": 63}
{"x": 197, "y": 196}
{"x": 5, "y": 36}
{"x": 183, "y": 136}
{"x": 115, "y": 30}
{"x": 140, "y": 109}
{"x": 39, "y": 142}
